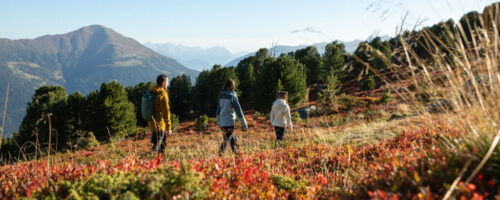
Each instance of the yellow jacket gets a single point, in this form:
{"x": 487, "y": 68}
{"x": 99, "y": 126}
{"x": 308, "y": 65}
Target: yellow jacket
{"x": 161, "y": 120}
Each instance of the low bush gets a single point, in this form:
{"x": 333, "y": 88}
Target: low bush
{"x": 287, "y": 183}
{"x": 174, "y": 119}
{"x": 296, "y": 118}
{"x": 349, "y": 102}
{"x": 85, "y": 139}
{"x": 386, "y": 97}
{"x": 163, "y": 183}
{"x": 201, "y": 123}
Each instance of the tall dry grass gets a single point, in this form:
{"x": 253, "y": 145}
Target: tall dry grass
{"x": 460, "y": 80}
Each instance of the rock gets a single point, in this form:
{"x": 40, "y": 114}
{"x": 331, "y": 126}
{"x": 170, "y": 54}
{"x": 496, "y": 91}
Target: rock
{"x": 439, "y": 106}
{"x": 307, "y": 111}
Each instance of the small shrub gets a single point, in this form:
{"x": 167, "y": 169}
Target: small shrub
{"x": 324, "y": 122}
{"x": 174, "y": 119}
{"x": 158, "y": 184}
{"x": 287, "y": 183}
{"x": 372, "y": 115}
{"x": 86, "y": 139}
{"x": 350, "y": 102}
{"x": 326, "y": 98}
{"x": 368, "y": 84}
{"x": 386, "y": 97}
{"x": 296, "y": 117}
{"x": 201, "y": 123}
{"x": 338, "y": 121}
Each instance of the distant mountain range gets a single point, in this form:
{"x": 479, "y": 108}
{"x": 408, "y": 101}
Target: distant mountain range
{"x": 194, "y": 57}
{"x": 199, "y": 58}
{"x": 276, "y": 51}
{"x": 79, "y": 61}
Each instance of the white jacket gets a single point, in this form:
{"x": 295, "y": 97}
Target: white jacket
{"x": 280, "y": 114}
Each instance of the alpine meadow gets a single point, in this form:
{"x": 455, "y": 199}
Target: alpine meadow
{"x": 94, "y": 114}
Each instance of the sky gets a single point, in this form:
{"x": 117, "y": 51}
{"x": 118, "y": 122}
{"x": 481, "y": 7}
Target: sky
{"x": 238, "y": 25}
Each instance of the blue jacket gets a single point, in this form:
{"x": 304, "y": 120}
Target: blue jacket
{"x": 228, "y": 105}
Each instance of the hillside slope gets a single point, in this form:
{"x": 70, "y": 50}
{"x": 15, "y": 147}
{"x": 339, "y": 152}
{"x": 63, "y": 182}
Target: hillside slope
{"x": 80, "y": 61}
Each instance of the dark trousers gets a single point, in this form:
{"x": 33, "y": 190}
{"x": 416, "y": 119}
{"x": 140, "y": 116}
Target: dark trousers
{"x": 157, "y": 136}
{"x": 280, "y": 132}
{"x": 228, "y": 138}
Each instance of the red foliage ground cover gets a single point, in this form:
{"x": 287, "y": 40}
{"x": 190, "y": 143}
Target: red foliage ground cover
{"x": 410, "y": 166}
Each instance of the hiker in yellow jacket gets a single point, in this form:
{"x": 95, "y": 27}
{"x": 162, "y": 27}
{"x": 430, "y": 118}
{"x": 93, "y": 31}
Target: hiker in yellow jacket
{"x": 160, "y": 125}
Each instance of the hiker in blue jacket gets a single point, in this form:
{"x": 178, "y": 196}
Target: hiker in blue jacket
{"x": 228, "y": 106}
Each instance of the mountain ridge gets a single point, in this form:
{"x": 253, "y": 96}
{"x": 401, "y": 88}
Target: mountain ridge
{"x": 192, "y": 56}
{"x": 79, "y": 60}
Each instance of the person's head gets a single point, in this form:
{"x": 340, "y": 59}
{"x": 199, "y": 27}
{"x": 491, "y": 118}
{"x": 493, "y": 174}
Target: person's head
{"x": 282, "y": 95}
{"x": 162, "y": 81}
{"x": 229, "y": 85}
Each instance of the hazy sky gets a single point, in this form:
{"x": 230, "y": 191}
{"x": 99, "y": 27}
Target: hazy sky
{"x": 235, "y": 24}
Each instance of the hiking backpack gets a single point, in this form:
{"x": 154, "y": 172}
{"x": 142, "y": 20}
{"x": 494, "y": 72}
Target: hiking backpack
{"x": 148, "y": 105}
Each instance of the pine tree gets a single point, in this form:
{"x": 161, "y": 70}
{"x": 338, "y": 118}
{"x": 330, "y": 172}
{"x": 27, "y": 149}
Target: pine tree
{"x": 368, "y": 84}
{"x": 311, "y": 59}
{"x": 470, "y": 22}
{"x": 112, "y": 114}
{"x": 246, "y": 75}
{"x": 246, "y": 70}
{"x": 327, "y": 97}
{"x": 285, "y": 72}
{"x": 74, "y": 113}
{"x": 263, "y": 92}
{"x": 208, "y": 87}
{"x": 180, "y": 95}
{"x": 377, "y": 54}
{"x": 48, "y": 101}
{"x": 293, "y": 77}
{"x": 334, "y": 60}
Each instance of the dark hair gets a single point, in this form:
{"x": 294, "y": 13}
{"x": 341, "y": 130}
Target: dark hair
{"x": 229, "y": 85}
{"x": 160, "y": 79}
{"x": 281, "y": 94}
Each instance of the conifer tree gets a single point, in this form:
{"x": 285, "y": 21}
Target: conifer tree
{"x": 368, "y": 84}
{"x": 311, "y": 59}
{"x": 75, "y": 111}
{"x": 47, "y": 102}
{"x": 327, "y": 96}
{"x": 208, "y": 86}
{"x": 180, "y": 95}
{"x": 284, "y": 72}
{"x": 376, "y": 53}
{"x": 246, "y": 70}
{"x": 334, "y": 59}
{"x": 112, "y": 113}
{"x": 293, "y": 77}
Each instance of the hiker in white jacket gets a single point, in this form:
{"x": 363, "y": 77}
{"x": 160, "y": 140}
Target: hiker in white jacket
{"x": 280, "y": 115}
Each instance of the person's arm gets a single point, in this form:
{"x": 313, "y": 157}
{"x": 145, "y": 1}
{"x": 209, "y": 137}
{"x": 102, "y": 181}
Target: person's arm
{"x": 288, "y": 117}
{"x": 166, "y": 116}
{"x": 239, "y": 112}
